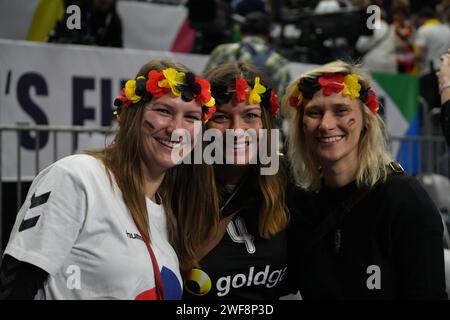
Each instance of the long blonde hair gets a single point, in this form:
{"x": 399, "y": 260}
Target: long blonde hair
{"x": 273, "y": 214}
{"x": 188, "y": 224}
{"x": 372, "y": 149}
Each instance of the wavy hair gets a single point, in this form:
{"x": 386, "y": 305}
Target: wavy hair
{"x": 372, "y": 149}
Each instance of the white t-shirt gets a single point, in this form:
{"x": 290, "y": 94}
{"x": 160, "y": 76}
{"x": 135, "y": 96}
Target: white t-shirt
{"x": 436, "y": 41}
{"x": 380, "y": 53}
{"x": 75, "y": 226}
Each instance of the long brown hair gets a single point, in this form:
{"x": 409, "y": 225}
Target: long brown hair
{"x": 187, "y": 199}
{"x": 273, "y": 214}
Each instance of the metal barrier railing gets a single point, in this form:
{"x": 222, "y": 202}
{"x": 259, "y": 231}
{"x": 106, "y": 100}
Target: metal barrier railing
{"x": 422, "y": 154}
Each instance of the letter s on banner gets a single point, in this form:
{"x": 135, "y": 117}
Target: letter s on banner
{"x": 24, "y": 84}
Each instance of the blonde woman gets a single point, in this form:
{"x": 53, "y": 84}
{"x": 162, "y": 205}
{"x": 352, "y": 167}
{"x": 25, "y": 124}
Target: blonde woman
{"x": 362, "y": 228}
{"x": 109, "y": 224}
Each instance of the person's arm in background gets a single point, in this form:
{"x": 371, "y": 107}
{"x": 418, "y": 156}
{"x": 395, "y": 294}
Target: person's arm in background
{"x": 420, "y": 47}
{"x": 444, "y": 89}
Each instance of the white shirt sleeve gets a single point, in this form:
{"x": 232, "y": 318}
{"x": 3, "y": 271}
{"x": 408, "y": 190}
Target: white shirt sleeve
{"x": 420, "y": 38}
{"x": 50, "y": 219}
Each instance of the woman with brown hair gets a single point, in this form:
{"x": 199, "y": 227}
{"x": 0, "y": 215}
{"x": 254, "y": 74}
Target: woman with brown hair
{"x": 247, "y": 257}
{"x": 109, "y": 224}
{"x": 363, "y": 229}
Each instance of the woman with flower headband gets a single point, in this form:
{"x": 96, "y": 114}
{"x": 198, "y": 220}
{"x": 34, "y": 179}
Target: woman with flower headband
{"x": 247, "y": 258}
{"x": 109, "y": 224}
{"x": 364, "y": 229}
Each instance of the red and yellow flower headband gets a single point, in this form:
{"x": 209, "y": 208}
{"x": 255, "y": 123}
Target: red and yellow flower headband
{"x": 349, "y": 85}
{"x": 259, "y": 94}
{"x": 185, "y": 85}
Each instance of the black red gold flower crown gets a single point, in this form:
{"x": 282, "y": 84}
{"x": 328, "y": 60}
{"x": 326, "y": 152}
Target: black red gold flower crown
{"x": 242, "y": 91}
{"x": 349, "y": 85}
{"x": 185, "y": 85}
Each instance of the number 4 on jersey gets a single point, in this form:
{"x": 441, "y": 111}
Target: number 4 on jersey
{"x": 241, "y": 235}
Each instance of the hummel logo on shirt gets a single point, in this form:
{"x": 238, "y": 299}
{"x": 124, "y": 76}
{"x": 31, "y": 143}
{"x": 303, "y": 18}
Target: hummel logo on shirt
{"x": 35, "y": 202}
{"x": 134, "y": 236}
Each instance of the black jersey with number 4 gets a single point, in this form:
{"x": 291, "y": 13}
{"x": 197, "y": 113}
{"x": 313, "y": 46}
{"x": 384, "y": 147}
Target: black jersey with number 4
{"x": 242, "y": 265}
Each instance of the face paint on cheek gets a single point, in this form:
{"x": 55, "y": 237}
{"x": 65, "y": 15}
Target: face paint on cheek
{"x": 149, "y": 125}
{"x": 351, "y": 122}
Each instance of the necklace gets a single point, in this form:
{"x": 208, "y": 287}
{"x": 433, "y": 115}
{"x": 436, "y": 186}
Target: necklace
{"x": 158, "y": 198}
{"x": 235, "y": 191}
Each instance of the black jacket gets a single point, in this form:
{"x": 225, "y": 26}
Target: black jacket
{"x": 387, "y": 246}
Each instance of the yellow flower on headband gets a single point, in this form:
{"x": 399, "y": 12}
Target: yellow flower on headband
{"x": 254, "y": 97}
{"x": 296, "y": 98}
{"x": 130, "y": 91}
{"x": 210, "y": 103}
{"x": 351, "y": 86}
{"x": 173, "y": 78}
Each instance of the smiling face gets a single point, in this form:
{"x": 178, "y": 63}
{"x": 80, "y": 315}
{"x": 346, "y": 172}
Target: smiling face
{"x": 162, "y": 117}
{"x": 239, "y": 116}
{"x": 332, "y": 126}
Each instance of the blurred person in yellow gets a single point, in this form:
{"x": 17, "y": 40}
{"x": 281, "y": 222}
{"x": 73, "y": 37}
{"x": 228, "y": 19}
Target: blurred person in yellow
{"x": 47, "y": 14}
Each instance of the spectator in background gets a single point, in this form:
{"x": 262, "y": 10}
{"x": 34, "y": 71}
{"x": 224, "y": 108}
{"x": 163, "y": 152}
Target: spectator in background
{"x": 404, "y": 32}
{"x": 244, "y": 7}
{"x": 100, "y": 25}
{"x": 444, "y": 89}
{"x": 211, "y": 21}
{"x": 329, "y": 6}
{"x": 431, "y": 41}
{"x": 418, "y": 5}
{"x": 255, "y": 48}
{"x": 378, "y": 50}
{"x": 443, "y": 10}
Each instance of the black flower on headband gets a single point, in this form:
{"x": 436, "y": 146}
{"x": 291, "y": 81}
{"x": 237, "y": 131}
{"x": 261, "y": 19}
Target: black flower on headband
{"x": 308, "y": 87}
{"x": 265, "y": 98}
{"x": 221, "y": 94}
{"x": 190, "y": 88}
{"x": 141, "y": 89}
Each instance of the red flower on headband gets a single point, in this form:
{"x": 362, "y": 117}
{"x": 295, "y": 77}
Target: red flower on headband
{"x": 123, "y": 98}
{"x": 372, "y": 101}
{"x": 293, "y": 101}
{"x": 241, "y": 87}
{"x": 209, "y": 113}
{"x": 274, "y": 106}
{"x": 205, "y": 93}
{"x": 152, "y": 84}
{"x": 331, "y": 83}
